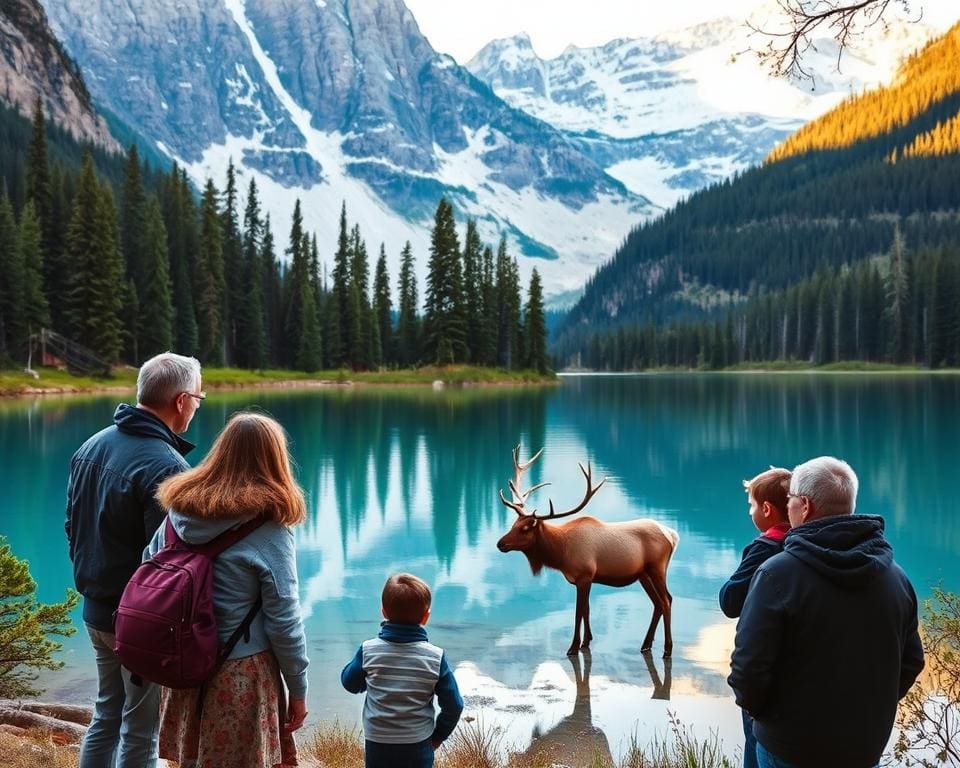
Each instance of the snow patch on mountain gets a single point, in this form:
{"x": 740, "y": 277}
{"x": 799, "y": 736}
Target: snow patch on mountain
{"x": 671, "y": 113}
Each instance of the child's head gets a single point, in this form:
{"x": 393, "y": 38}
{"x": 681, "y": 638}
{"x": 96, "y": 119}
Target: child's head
{"x": 406, "y": 599}
{"x": 768, "y": 497}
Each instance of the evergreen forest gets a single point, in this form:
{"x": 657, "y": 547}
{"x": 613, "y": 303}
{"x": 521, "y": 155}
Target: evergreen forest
{"x": 844, "y": 245}
{"x": 131, "y": 261}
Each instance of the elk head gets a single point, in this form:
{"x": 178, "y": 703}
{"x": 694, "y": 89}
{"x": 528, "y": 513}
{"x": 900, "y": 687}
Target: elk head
{"x": 526, "y": 529}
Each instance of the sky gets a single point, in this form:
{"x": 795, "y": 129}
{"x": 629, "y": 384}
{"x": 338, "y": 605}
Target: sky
{"x": 462, "y": 27}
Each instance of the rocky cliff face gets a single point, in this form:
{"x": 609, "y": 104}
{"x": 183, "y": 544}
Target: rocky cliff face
{"x": 33, "y": 65}
{"x": 332, "y": 100}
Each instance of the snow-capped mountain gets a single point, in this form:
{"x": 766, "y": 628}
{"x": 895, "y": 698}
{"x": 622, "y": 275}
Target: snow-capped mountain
{"x": 331, "y": 100}
{"x": 671, "y": 113}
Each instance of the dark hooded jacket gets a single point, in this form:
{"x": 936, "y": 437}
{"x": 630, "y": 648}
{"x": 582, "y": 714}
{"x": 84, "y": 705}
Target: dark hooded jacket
{"x": 111, "y": 509}
{"x": 827, "y": 644}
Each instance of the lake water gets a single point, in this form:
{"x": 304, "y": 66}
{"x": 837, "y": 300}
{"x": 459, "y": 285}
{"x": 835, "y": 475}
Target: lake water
{"x": 408, "y": 479}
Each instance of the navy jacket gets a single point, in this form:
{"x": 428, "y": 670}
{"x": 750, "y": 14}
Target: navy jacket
{"x": 111, "y": 509}
{"x": 734, "y": 591}
{"x": 827, "y": 644}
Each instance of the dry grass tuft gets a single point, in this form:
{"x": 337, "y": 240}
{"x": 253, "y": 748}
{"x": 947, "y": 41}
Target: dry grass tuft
{"x": 36, "y": 750}
{"x": 333, "y": 745}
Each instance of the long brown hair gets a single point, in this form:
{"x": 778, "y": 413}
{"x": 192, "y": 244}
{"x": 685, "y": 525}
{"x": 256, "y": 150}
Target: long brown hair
{"x": 247, "y": 470}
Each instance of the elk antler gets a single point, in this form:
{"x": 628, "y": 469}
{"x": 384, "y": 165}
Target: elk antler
{"x": 591, "y": 490}
{"x": 520, "y": 497}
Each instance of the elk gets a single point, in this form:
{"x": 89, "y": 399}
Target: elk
{"x": 588, "y": 551}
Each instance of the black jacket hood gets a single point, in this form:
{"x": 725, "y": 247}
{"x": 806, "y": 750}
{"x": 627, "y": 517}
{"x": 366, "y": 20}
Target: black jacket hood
{"x": 849, "y": 550}
{"x": 137, "y": 421}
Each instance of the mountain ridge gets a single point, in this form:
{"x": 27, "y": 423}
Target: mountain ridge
{"x": 346, "y": 101}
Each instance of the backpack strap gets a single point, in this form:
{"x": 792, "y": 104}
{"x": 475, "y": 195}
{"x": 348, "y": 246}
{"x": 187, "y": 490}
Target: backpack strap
{"x": 216, "y": 545}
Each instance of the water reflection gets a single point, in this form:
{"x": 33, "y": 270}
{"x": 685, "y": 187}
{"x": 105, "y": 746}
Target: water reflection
{"x": 574, "y": 739}
{"x": 661, "y": 687}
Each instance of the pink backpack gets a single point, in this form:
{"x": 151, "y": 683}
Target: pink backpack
{"x": 165, "y": 627}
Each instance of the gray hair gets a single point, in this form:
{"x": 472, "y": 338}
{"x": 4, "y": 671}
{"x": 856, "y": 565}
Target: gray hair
{"x": 831, "y": 484}
{"x": 165, "y": 376}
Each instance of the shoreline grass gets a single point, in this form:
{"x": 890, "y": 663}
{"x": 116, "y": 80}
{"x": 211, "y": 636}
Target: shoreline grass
{"x": 331, "y": 744}
{"x": 15, "y": 382}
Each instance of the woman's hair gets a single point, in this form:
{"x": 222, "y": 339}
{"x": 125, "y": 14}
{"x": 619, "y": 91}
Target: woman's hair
{"x": 247, "y": 470}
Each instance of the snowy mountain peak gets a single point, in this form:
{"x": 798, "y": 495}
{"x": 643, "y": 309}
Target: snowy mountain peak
{"x": 336, "y": 100}
{"x": 670, "y": 113}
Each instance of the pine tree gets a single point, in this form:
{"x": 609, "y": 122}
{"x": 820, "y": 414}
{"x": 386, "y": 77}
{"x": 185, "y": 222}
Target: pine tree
{"x": 509, "y": 352}
{"x": 444, "y": 322}
{"x": 489, "y": 313}
{"x": 40, "y": 191}
{"x": 11, "y": 286}
{"x": 301, "y": 323}
{"x": 473, "y": 290}
{"x": 209, "y": 281}
{"x": 897, "y": 296}
{"x": 337, "y": 319}
{"x": 382, "y": 309}
{"x": 251, "y": 325}
{"x": 81, "y": 244}
{"x": 179, "y": 216}
{"x": 272, "y": 295}
{"x": 535, "y": 326}
{"x": 133, "y": 212}
{"x": 360, "y": 327}
{"x": 156, "y": 302}
{"x": 408, "y": 330}
{"x": 103, "y": 271}
{"x": 26, "y": 626}
{"x": 36, "y": 311}
{"x": 233, "y": 274}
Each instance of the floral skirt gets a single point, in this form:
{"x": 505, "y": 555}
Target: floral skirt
{"x": 240, "y": 724}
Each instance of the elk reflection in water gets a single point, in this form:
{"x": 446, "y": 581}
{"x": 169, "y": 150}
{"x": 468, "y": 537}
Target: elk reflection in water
{"x": 575, "y": 740}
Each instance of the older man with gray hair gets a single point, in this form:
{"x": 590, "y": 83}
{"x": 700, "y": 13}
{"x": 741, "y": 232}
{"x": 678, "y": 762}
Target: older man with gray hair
{"x": 827, "y": 642}
{"x": 111, "y": 516}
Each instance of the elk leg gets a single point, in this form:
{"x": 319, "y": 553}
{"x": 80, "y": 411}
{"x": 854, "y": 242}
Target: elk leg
{"x": 587, "y": 634}
{"x": 659, "y": 583}
{"x": 583, "y": 608}
{"x": 648, "y": 587}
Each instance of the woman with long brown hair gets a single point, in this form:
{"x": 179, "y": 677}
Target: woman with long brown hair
{"x": 238, "y": 719}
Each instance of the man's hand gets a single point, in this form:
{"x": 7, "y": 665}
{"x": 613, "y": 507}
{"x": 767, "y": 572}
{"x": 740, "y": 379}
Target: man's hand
{"x": 296, "y": 714}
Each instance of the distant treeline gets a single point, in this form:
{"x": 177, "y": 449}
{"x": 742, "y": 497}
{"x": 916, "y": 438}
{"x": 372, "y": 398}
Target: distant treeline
{"x": 901, "y": 308}
{"x": 162, "y": 269}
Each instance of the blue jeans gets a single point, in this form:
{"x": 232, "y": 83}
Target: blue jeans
{"x": 126, "y": 717}
{"x": 377, "y": 755}
{"x": 749, "y": 742}
{"x": 767, "y": 759}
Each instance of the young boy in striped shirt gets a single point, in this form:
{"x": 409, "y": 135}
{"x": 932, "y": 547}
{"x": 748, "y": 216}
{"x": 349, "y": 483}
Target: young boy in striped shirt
{"x": 401, "y": 672}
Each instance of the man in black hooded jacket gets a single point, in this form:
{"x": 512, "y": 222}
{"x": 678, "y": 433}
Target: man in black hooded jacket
{"x": 827, "y": 642}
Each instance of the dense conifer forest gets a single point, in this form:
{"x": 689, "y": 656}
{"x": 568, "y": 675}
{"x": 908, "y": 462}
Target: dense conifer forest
{"x": 844, "y": 245}
{"x": 131, "y": 261}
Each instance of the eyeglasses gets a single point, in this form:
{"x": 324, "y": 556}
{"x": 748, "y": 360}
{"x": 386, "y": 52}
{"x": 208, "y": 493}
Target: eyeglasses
{"x": 795, "y": 496}
{"x": 201, "y": 396}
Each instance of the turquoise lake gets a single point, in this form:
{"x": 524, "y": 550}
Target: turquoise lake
{"x": 407, "y": 480}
